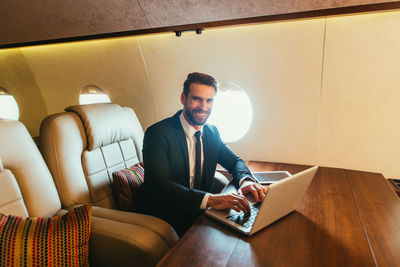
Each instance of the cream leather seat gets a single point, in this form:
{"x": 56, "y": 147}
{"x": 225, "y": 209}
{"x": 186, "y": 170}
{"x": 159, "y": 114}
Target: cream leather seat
{"x": 82, "y": 148}
{"x": 27, "y": 189}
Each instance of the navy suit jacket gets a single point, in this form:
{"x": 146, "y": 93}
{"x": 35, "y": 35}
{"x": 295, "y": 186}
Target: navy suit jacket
{"x": 166, "y": 164}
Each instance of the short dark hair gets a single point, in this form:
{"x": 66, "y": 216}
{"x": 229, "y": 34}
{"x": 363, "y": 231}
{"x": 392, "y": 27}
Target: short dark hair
{"x": 201, "y": 78}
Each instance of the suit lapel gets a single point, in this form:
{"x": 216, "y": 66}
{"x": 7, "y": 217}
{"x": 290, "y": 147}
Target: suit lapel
{"x": 180, "y": 134}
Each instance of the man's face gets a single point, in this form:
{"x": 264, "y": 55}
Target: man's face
{"x": 197, "y": 105}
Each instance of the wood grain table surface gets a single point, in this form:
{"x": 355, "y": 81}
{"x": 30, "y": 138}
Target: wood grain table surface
{"x": 347, "y": 218}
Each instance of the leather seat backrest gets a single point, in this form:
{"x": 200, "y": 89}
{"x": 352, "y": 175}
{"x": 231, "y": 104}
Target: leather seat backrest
{"x": 85, "y": 145}
{"x": 26, "y": 185}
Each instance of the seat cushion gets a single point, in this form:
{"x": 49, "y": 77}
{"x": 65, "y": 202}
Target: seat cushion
{"x": 37, "y": 241}
{"x": 11, "y": 201}
{"x": 20, "y": 155}
{"x": 125, "y": 182}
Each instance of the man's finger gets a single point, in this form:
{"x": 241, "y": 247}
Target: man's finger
{"x": 260, "y": 193}
{"x": 239, "y": 205}
{"x": 261, "y": 190}
{"x": 254, "y": 192}
{"x": 242, "y": 203}
{"x": 234, "y": 207}
{"x": 237, "y": 202}
{"x": 245, "y": 203}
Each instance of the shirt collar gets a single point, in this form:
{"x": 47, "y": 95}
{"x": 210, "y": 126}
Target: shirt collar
{"x": 187, "y": 128}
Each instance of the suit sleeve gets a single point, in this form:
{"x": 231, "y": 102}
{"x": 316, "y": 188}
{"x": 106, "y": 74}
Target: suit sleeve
{"x": 232, "y": 162}
{"x": 158, "y": 176}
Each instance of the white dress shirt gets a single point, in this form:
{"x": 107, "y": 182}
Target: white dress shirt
{"x": 191, "y": 144}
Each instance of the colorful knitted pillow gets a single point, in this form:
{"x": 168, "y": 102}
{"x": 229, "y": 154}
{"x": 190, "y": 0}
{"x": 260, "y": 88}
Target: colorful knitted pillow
{"x": 56, "y": 241}
{"x": 125, "y": 183}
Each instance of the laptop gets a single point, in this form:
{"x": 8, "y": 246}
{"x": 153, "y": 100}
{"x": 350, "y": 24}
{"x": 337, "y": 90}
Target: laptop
{"x": 282, "y": 198}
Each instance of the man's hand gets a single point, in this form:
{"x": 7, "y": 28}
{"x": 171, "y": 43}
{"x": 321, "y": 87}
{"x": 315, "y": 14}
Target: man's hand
{"x": 256, "y": 190}
{"x": 228, "y": 201}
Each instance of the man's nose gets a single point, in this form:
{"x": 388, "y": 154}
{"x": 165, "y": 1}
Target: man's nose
{"x": 203, "y": 104}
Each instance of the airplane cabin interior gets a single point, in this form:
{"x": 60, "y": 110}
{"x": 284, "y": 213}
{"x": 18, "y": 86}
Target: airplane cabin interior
{"x": 301, "y": 84}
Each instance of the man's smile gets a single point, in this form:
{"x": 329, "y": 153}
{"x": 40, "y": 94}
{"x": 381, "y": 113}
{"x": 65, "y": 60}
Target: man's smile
{"x": 200, "y": 113}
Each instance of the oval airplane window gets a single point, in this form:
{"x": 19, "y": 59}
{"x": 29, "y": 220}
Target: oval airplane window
{"x": 91, "y": 94}
{"x": 8, "y": 106}
{"x": 232, "y": 112}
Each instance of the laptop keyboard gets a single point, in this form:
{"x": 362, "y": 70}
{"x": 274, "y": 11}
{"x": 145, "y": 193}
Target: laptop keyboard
{"x": 245, "y": 220}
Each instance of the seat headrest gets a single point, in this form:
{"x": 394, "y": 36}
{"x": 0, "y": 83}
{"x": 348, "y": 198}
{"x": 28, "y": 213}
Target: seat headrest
{"x": 21, "y": 157}
{"x": 104, "y": 123}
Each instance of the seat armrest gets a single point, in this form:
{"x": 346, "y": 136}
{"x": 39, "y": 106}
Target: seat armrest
{"x": 119, "y": 238}
{"x": 153, "y": 224}
{"x": 221, "y": 180}
{"x": 114, "y": 243}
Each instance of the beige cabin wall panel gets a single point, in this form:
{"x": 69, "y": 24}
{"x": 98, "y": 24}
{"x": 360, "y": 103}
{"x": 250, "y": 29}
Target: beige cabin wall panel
{"x": 360, "y": 126}
{"x": 17, "y": 77}
{"x": 279, "y": 65}
{"x": 115, "y": 65}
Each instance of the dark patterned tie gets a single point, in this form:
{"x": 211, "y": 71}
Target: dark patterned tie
{"x": 197, "y": 168}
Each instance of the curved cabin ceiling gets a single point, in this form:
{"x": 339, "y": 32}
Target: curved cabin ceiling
{"x": 26, "y": 22}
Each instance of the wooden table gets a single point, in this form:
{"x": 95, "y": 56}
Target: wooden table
{"x": 347, "y": 218}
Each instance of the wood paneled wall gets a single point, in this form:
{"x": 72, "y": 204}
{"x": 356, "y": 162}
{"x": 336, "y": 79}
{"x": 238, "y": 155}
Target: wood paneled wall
{"x": 25, "y": 22}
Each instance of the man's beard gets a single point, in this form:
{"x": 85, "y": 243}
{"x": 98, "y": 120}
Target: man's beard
{"x": 190, "y": 115}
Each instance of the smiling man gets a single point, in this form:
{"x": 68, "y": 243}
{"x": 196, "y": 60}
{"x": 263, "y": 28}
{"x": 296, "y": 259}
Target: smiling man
{"x": 180, "y": 158}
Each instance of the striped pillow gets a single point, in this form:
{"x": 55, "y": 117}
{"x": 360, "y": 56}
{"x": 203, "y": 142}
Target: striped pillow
{"x": 125, "y": 182}
{"x": 56, "y": 241}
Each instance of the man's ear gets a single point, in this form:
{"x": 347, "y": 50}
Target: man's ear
{"x": 183, "y": 99}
